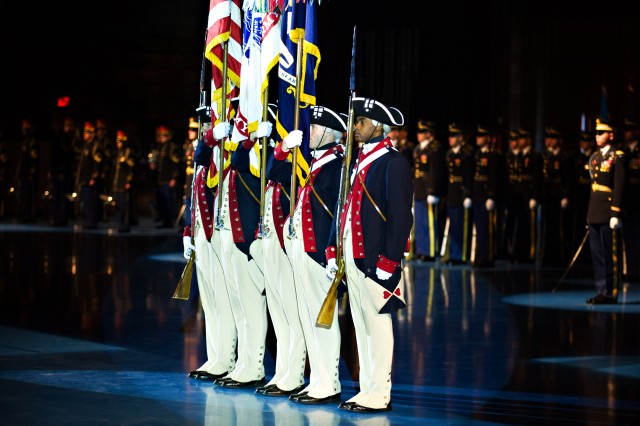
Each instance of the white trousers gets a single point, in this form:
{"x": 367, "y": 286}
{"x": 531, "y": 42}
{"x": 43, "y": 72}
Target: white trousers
{"x": 220, "y": 330}
{"x": 374, "y": 335}
{"x": 281, "y": 301}
{"x": 323, "y": 345}
{"x": 245, "y": 288}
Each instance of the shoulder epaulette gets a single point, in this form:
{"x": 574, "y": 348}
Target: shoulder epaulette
{"x": 620, "y": 152}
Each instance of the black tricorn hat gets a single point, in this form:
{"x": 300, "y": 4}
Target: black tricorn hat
{"x": 323, "y": 116}
{"x": 370, "y": 108}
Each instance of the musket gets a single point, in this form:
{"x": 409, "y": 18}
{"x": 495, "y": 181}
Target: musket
{"x": 183, "y": 289}
{"x": 327, "y": 310}
{"x": 296, "y": 125}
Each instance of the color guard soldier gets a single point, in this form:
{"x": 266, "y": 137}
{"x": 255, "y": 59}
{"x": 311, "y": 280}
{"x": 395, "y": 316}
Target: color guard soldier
{"x": 525, "y": 178}
{"x": 165, "y": 160}
{"x": 631, "y": 228}
{"x": 200, "y": 235}
{"x": 608, "y": 174}
{"x": 240, "y": 213}
{"x": 582, "y": 189}
{"x": 312, "y": 220}
{"x": 375, "y": 221}
{"x": 122, "y": 186}
{"x": 88, "y": 175}
{"x": 429, "y": 187}
{"x": 485, "y": 184}
{"x": 460, "y": 169}
{"x": 557, "y": 172}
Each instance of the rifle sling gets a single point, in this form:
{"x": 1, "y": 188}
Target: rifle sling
{"x": 366, "y": 191}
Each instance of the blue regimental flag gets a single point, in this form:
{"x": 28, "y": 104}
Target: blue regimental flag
{"x": 298, "y": 24}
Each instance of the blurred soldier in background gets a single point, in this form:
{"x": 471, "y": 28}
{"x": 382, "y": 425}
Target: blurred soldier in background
{"x": 557, "y": 191}
{"x": 4, "y": 174}
{"x": 61, "y": 171}
{"x": 429, "y": 174}
{"x": 456, "y": 246}
{"x": 26, "y": 176}
{"x": 631, "y": 228}
{"x": 189, "y": 148}
{"x": 122, "y": 184}
{"x": 165, "y": 160}
{"x": 108, "y": 149}
{"x": 87, "y": 177}
{"x": 405, "y": 146}
{"x": 582, "y": 189}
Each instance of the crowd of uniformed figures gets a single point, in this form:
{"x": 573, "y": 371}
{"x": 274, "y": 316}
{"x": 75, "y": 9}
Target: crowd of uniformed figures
{"x": 86, "y": 174}
{"x": 455, "y": 195}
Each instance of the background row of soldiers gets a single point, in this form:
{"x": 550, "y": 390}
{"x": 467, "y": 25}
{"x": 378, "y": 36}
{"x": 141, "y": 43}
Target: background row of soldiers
{"x": 475, "y": 202}
{"x": 86, "y": 173}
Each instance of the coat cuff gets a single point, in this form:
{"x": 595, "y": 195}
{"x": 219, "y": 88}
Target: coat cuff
{"x": 330, "y": 253}
{"x": 279, "y": 153}
{"x": 386, "y": 265}
{"x": 208, "y": 139}
{"x": 187, "y": 231}
{"x": 248, "y": 143}
{"x": 615, "y": 211}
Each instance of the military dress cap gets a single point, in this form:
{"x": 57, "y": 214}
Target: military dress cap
{"x": 524, "y": 133}
{"x": 121, "y": 136}
{"x": 603, "y": 125}
{"x": 426, "y": 126}
{"x": 552, "y": 132}
{"x": 370, "y": 108}
{"x": 630, "y": 123}
{"x": 89, "y": 127}
{"x": 585, "y": 136}
{"x": 514, "y": 134}
{"x": 483, "y": 130}
{"x": 323, "y": 116}
{"x": 456, "y": 129}
{"x": 193, "y": 123}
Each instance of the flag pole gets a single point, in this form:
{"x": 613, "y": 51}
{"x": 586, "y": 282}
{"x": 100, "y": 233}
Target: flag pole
{"x": 296, "y": 125}
{"x": 223, "y": 117}
{"x": 263, "y": 163}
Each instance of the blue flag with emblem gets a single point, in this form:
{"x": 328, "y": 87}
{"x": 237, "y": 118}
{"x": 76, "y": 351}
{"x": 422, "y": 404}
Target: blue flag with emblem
{"x": 298, "y": 24}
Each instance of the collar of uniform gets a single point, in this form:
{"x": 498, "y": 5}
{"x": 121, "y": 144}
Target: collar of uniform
{"x": 632, "y": 146}
{"x": 484, "y": 149}
{"x": 605, "y": 149}
{"x": 526, "y": 150}
{"x": 371, "y": 143}
{"x": 554, "y": 151}
{"x": 319, "y": 152}
{"x": 515, "y": 151}
{"x": 456, "y": 149}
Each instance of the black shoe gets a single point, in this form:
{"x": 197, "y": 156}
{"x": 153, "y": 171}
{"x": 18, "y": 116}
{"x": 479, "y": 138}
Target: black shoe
{"x": 276, "y": 391}
{"x": 345, "y": 405}
{"x": 601, "y": 299}
{"x": 205, "y": 375}
{"x": 306, "y": 399}
{"x": 357, "y": 408}
{"x": 261, "y": 389}
{"x": 193, "y": 374}
{"x": 295, "y": 396}
{"x": 235, "y": 384}
{"x": 222, "y": 380}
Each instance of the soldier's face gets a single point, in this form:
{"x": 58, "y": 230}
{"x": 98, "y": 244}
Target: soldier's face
{"x": 585, "y": 145}
{"x": 455, "y": 140}
{"x": 551, "y": 143}
{"x": 603, "y": 138}
{"x": 364, "y": 129}
{"x": 421, "y": 136}
{"x": 481, "y": 140}
{"x": 316, "y": 135}
{"x": 88, "y": 135}
{"x": 630, "y": 135}
{"x": 523, "y": 142}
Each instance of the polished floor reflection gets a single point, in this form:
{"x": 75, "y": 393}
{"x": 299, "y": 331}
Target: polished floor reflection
{"x": 89, "y": 334}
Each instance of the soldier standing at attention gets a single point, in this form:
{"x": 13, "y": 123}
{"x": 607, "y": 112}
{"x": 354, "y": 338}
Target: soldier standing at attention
{"x": 165, "y": 160}
{"x": 429, "y": 187}
{"x": 582, "y": 189}
{"x": 608, "y": 173}
{"x": 88, "y": 175}
{"x": 189, "y": 148}
{"x": 123, "y": 163}
{"x": 631, "y": 228}
{"x": 375, "y": 222}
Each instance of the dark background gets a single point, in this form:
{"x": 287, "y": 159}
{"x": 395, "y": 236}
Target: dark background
{"x": 137, "y": 63}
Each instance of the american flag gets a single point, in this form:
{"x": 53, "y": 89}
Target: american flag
{"x": 224, "y": 24}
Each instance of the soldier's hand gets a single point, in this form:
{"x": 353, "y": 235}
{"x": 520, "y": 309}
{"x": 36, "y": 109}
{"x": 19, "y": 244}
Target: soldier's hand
{"x": 221, "y": 130}
{"x": 187, "y": 246}
{"x": 331, "y": 269}
{"x": 564, "y": 203}
{"x": 383, "y": 275}
{"x": 532, "y": 204}
{"x": 490, "y": 205}
{"x": 432, "y": 199}
{"x": 615, "y": 223}
{"x": 264, "y": 129}
{"x": 467, "y": 203}
{"x": 293, "y": 139}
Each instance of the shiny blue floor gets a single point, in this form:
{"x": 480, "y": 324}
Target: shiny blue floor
{"x": 89, "y": 334}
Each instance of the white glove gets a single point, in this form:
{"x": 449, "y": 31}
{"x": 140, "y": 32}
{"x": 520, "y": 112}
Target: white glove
{"x": 188, "y": 247}
{"x": 432, "y": 199}
{"x": 490, "y": 205}
{"x": 221, "y": 130}
{"x": 264, "y": 129}
{"x": 614, "y": 223}
{"x": 467, "y": 203}
{"x": 331, "y": 269}
{"x": 293, "y": 139}
{"x": 564, "y": 203}
{"x": 383, "y": 275}
{"x": 532, "y": 204}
